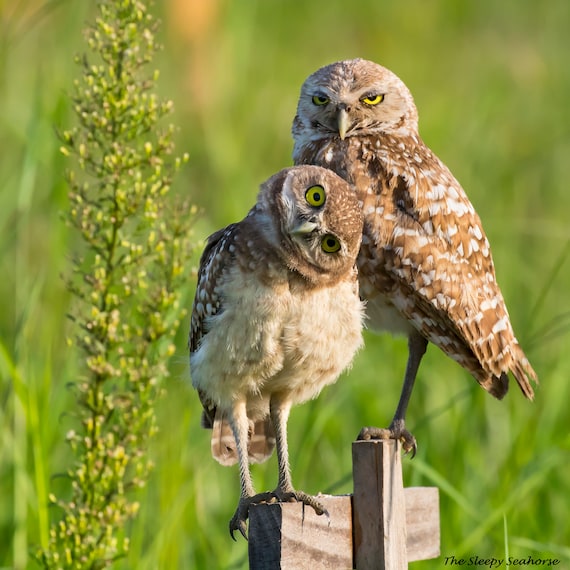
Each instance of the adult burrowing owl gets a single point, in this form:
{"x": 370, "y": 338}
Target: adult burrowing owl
{"x": 276, "y": 317}
{"x": 425, "y": 267}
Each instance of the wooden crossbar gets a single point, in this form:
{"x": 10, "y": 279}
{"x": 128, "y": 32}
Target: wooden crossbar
{"x": 382, "y": 526}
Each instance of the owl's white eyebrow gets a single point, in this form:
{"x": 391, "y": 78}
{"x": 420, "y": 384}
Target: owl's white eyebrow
{"x": 372, "y": 94}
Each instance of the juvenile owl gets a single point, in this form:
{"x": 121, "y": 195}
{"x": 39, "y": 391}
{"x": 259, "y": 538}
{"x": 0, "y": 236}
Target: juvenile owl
{"x": 425, "y": 266}
{"x": 276, "y": 318}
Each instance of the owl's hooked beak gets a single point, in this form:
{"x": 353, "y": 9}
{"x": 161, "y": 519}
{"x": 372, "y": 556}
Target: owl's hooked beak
{"x": 304, "y": 228}
{"x": 342, "y": 122}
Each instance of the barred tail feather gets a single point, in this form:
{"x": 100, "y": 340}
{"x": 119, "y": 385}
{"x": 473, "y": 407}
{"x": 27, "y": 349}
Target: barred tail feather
{"x": 261, "y": 441}
{"x": 523, "y": 371}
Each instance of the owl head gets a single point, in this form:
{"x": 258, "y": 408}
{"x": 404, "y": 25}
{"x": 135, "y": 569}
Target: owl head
{"x": 313, "y": 218}
{"x": 354, "y": 97}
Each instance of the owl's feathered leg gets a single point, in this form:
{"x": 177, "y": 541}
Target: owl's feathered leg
{"x": 279, "y": 411}
{"x": 239, "y": 423}
{"x": 417, "y": 346}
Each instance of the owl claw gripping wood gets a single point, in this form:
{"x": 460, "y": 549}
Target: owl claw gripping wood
{"x": 276, "y": 317}
{"x": 425, "y": 266}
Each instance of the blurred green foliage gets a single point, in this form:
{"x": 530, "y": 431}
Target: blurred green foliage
{"x": 492, "y": 83}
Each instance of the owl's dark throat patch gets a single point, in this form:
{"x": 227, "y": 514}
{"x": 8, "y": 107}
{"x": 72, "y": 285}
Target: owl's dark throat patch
{"x": 403, "y": 201}
{"x": 376, "y": 169}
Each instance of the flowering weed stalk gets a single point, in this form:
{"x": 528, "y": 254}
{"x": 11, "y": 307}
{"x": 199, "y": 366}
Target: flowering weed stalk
{"x": 128, "y": 265}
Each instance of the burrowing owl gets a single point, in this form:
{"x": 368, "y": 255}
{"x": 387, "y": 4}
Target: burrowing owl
{"x": 425, "y": 266}
{"x": 276, "y": 317}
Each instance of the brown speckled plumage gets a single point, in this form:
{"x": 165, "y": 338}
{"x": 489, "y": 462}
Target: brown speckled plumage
{"x": 425, "y": 264}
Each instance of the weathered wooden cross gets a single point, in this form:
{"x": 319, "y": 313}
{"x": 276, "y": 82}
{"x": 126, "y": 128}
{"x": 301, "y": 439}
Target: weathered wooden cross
{"x": 381, "y": 526}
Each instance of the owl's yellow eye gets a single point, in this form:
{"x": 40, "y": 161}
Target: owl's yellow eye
{"x": 320, "y": 100}
{"x": 330, "y": 244}
{"x": 372, "y": 99}
{"x": 315, "y": 196}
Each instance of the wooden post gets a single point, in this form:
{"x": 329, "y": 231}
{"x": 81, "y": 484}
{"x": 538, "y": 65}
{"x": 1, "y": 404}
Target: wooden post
{"x": 383, "y": 526}
{"x": 290, "y": 536}
{"x": 379, "y": 508}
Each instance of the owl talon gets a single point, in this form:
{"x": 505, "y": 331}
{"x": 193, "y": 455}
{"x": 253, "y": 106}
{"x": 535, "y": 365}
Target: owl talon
{"x": 396, "y": 431}
{"x": 238, "y": 524}
{"x": 238, "y": 521}
{"x": 301, "y": 497}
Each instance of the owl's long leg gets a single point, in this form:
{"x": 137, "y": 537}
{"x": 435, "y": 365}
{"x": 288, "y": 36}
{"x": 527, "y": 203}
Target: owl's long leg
{"x": 239, "y": 423}
{"x": 240, "y": 426}
{"x": 417, "y": 346}
{"x": 279, "y": 411}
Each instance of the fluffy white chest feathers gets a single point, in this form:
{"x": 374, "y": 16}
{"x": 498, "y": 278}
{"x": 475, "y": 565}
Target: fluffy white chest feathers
{"x": 276, "y": 338}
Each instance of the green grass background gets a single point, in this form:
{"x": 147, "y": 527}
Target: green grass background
{"x": 492, "y": 84}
